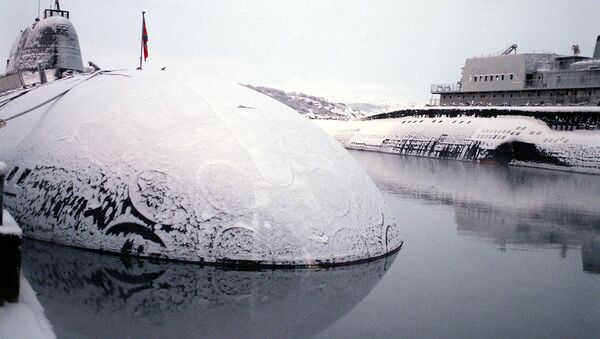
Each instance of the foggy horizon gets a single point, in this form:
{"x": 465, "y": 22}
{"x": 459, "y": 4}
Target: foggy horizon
{"x": 349, "y": 51}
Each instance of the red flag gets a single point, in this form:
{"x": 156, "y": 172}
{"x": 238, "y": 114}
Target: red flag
{"x": 145, "y": 39}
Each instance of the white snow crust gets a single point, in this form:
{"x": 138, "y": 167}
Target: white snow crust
{"x": 187, "y": 168}
{"x": 9, "y": 225}
{"x": 53, "y": 42}
{"x": 25, "y": 318}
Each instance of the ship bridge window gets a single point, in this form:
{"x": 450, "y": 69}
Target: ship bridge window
{"x": 511, "y": 76}
{"x": 502, "y": 76}
{"x": 475, "y": 79}
{"x": 485, "y": 78}
{"x": 497, "y": 76}
{"x": 480, "y": 77}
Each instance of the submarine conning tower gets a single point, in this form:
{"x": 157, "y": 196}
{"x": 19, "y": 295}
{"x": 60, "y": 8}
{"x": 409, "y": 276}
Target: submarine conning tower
{"x": 51, "y": 42}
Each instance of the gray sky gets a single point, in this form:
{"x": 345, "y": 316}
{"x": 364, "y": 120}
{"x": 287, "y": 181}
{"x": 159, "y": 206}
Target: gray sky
{"x": 345, "y": 50}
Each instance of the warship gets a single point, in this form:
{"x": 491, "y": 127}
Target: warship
{"x": 178, "y": 167}
{"x": 524, "y": 79}
{"x": 537, "y": 110}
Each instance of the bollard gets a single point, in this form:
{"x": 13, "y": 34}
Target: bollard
{"x": 10, "y": 251}
{"x": 3, "y": 170}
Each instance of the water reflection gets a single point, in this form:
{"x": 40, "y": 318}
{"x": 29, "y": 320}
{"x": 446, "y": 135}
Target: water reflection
{"x": 513, "y": 205}
{"x": 87, "y": 294}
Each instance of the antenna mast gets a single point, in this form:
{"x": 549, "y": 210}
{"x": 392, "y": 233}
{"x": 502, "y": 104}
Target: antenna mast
{"x": 143, "y": 50}
{"x": 510, "y": 49}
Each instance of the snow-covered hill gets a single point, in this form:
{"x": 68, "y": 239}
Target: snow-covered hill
{"x": 318, "y": 107}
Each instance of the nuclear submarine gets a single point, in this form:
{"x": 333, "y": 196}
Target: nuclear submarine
{"x": 179, "y": 167}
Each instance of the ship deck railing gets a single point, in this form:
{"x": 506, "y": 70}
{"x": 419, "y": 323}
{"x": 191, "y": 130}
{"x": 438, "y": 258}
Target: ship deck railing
{"x": 445, "y": 88}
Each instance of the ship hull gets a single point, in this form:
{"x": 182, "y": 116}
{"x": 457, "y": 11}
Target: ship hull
{"x": 184, "y": 168}
{"x": 514, "y": 140}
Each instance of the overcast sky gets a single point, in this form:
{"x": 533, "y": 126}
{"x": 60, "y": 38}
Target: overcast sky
{"x": 345, "y": 50}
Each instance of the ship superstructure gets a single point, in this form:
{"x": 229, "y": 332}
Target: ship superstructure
{"x": 44, "y": 51}
{"x": 524, "y": 79}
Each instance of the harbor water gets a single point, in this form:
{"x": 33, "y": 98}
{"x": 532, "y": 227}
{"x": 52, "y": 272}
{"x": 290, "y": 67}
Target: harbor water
{"x": 489, "y": 251}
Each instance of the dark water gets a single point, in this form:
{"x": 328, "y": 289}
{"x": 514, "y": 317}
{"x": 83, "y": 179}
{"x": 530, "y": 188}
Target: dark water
{"x": 489, "y": 251}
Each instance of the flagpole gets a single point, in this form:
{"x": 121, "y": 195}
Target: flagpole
{"x": 142, "y": 40}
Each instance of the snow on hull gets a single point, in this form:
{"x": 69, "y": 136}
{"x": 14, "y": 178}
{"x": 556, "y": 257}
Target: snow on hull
{"x": 156, "y": 165}
{"x": 51, "y": 42}
{"x": 9, "y": 225}
{"x": 25, "y": 318}
{"x": 517, "y": 140}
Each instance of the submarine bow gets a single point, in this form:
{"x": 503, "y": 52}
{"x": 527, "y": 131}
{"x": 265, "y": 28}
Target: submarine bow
{"x": 184, "y": 168}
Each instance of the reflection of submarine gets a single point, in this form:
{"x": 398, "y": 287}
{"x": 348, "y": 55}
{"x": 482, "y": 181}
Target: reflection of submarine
{"x": 524, "y": 229}
{"x": 176, "y": 167}
{"x": 87, "y": 294}
{"x": 518, "y": 206}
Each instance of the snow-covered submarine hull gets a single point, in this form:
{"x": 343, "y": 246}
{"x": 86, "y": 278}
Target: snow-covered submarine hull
{"x": 514, "y": 140}
{"x": 157, "y": 165}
